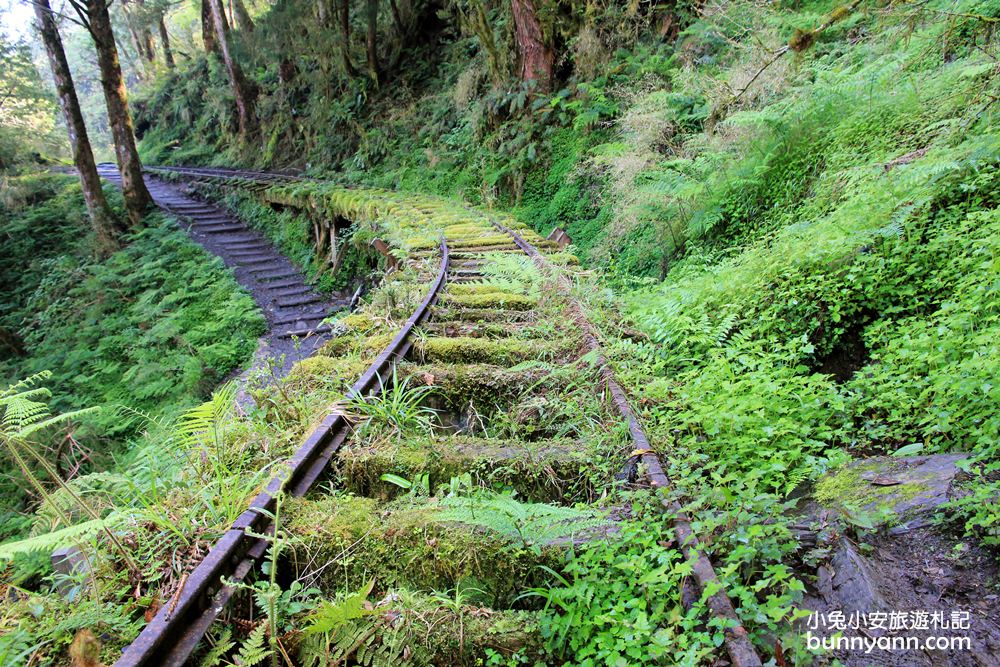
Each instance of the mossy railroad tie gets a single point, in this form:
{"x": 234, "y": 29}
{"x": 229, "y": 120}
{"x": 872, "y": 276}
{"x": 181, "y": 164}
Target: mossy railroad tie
{"x": 430, "y": 544}
{"x": 550, "y": 470}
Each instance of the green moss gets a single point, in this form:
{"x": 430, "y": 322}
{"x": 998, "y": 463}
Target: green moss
{"x": 473, "y": 288}
{"x": 850, "y": 485}
{"x": 463, "y": 636}
{"x": 546, "y": 471}
{"x": 404, "y": 545}
{"x": 485, "y": 385}
{"x": 502, "y": 352}
{"x": 359, "y": 322}
{"x": 491, "y": 299}
{"x": 497, "y": 239}
{"x": 563, "y": 259}
{"x": 320, "y": 370}
{"x": 355, "y": 344}
{"x": 486, "y": 330}
{"x": 444, "y": 313}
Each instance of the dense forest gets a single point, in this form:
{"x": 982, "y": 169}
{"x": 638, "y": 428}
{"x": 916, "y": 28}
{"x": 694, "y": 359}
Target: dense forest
{"x": 513, "y": 332}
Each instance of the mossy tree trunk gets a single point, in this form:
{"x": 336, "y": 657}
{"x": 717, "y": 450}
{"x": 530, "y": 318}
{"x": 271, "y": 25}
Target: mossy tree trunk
{"x": 371, "y": 40}
{"x": 137, "y": 198}
{"x": 537, "y": 58}
{"x": 145, "y": 34}
{"x": 208, "y": 28}
{"x": 345, "y": 37}
{"x": 168, "y": 54}
{"x": 242, "y": 16}
{"x": 397, "y": 19}
{"x": 107, "y": 228}
{"x": 243, "y": 91}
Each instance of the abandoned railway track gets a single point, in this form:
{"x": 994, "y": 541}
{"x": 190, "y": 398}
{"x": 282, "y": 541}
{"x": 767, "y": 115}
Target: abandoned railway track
{"x": 494, "y": 332}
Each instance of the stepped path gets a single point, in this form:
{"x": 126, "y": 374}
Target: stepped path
{"x": 294, "y": 310}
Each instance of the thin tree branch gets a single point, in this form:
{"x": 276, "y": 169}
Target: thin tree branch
{"x": 31, "y": 3}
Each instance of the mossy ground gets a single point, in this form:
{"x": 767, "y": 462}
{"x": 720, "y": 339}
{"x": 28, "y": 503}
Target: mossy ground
{"x": 540, "y": 470}
{"x": 410, "y": 543}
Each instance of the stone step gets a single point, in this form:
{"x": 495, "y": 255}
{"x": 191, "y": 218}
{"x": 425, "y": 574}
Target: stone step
{"x": 296, "y": 289}
{"x": 246, "y": 259}
{"x": 264, "y": 274}
{"x": 299, "y": 318}
{"x": 291, "y": 302}
{"x": 260, "y": 258}
{"x": 302, "y": 332}
{"x": 220, "y": 229}
{"x": 288, "y": 282}
{"x": 253, "y": 245}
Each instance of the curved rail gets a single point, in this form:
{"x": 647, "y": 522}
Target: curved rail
{"x": 173, "y": 634}
{"x": 736, "y": 639}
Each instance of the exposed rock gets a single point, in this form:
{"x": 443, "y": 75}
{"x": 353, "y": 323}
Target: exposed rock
{"x": 907, "y": 490}
{"x": 912, "y": 567}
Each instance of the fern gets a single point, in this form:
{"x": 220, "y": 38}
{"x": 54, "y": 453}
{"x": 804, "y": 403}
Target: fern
{"x": 206, "y": 418}
{"x": 369, "y": 640}
{"x": 253, "y": 651}
{"x": 332, "y": 615}
{"x": 50, "y": 541}
{"x": 24, "y": 414}
{"x": 223, "y": 644}
{"x": 512, "y": 273}
{"x": 532, "y": 523}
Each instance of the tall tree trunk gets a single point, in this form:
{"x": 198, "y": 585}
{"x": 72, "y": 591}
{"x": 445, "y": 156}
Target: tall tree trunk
{"x": 142, "y": 65}
{"x": 537, "y": 59}
{"x": 345, "y": 37}
{"x": 9, "y": 339}
{"x": 371, "y": 41}
{"x": 142, "y": 39}
{"x": 208, "y": 28}
{"x": 145, "y": 34}
{"x": 243, "y": 19}
{"x": 243, "y": 91}
{"x": 137, "y": 198}
{"x": 397, "y": 20}
{"x": 168, "y": 55}
{"x": 106, "y": 227}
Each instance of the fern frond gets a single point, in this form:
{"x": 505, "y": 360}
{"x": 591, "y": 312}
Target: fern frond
{"x": 533, "y": 523}
{"x": 50, "y": 541}
{"x": 223, "y": 644}
{"x": 253, "y": 651}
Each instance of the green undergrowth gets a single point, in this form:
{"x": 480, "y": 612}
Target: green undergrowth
{"x": 407, "y": 627}
{"x": 169, "y": 498}
{"x": 149, "y": 330}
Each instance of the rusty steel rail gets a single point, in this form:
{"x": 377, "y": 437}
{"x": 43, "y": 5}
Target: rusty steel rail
{"x": 737, "y": 641}
{"x": 173, "y": 634}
